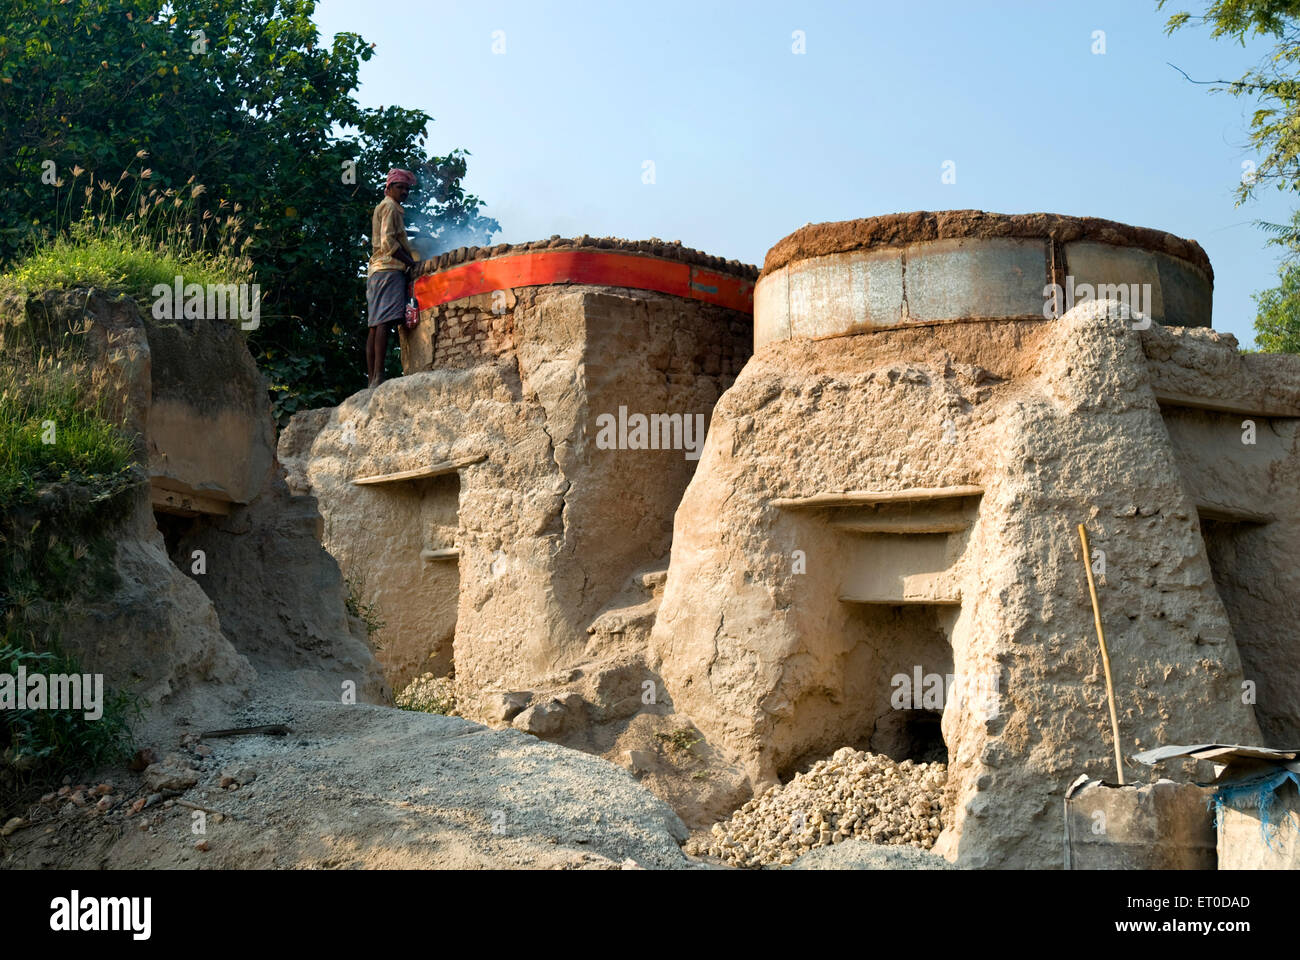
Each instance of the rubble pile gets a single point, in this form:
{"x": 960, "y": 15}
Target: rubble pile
{"x": 429, "y": 694}
{"x": 851, "y": 795}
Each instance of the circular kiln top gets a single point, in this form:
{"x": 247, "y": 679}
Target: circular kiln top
{"x": 654, "y": 247}
{"x": 839, "y": 279}
{"x": 602, "y": 261}
{"x": 900, "y": 229}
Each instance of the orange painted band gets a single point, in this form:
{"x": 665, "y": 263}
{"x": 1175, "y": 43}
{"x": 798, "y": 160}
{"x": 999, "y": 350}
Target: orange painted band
{"x": 597, "y": 267}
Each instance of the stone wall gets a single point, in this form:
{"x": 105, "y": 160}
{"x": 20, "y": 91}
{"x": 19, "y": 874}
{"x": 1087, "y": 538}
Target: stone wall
{"x": 478, "y": 329}
{"x": 469, "y": 297}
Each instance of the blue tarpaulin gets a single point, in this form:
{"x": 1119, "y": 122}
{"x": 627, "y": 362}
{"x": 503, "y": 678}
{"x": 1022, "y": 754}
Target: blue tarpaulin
{"x": 1259, "y": 792}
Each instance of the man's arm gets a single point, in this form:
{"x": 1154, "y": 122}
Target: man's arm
{"x": 404, "y": 251}
{"x": 401, "y": 254}
{"x": 395, "y": 228}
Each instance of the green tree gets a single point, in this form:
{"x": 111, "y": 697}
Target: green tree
{"x": 1275, "y": 82}
{"x": 242, "y": 96}
{"x": 1275, "y": 135}
{"x": 1276, "y": 326}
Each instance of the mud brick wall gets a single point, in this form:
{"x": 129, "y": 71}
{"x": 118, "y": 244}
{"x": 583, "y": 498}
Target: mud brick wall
{"x": 467, "y": 332}
{"x": 709, "y": 340}
{"x": 723, "y": 342}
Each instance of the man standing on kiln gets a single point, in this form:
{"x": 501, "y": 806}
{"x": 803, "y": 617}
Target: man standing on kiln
{"x": 391, "y": 259}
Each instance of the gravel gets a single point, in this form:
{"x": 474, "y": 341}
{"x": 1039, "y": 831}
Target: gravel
{"x": 852, "y": 795}
{"x": 429, "y": 694}
{"x": 861, "y": 855}
{"x": 366, "y": 786}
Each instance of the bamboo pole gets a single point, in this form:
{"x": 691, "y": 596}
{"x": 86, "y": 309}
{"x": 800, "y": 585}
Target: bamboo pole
{"x": 1105, "y": 657}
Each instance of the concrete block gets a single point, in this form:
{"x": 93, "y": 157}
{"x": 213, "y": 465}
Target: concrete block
{"x": 1158, "y": 826}
{"x": 1187, "y": 293}
{"x": 974, "y": 278}
{"x": 772, "y": 309}
{"x": 845, "y": 292}
{"x": 1102, "y": 271}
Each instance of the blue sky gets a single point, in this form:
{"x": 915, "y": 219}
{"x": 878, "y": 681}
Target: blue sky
{"x": 749, "y": 140}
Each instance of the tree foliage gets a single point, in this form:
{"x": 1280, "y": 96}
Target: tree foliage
{"x": 1276, "y": 326}
{"x": 1275, "y": 83}
{"x": 1275, "y": 136}
{"x": 244, "y": 97}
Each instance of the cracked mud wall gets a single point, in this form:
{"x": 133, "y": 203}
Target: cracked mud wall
{"x": 1058, "y": 422}
{"x": 268, "y": 608}
{"x": 1242, "y": 467}
{"x": 743, "y": 638}
{"x": 550, "y": 528}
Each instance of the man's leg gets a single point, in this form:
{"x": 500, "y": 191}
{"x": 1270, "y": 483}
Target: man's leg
{"x": 370, "y": 356}
{"x": 380, "y": 334}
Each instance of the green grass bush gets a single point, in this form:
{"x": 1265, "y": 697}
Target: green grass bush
{"x": 67, "y": 471}
{"x": 131, "y": 236}
{"x": 51, "y": 431}
{"x": 67, "y": 477}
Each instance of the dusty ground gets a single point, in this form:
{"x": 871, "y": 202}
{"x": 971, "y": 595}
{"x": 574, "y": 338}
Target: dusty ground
{"x": 362, "y": 786}
{"x": 860, "y": 855}
{"x": 373, "y": 787}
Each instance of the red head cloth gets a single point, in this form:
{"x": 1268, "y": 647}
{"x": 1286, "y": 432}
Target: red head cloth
{"x": 399, "y": 176}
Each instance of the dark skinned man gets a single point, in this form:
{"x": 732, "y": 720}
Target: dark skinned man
{"x": 392, "y": 261}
